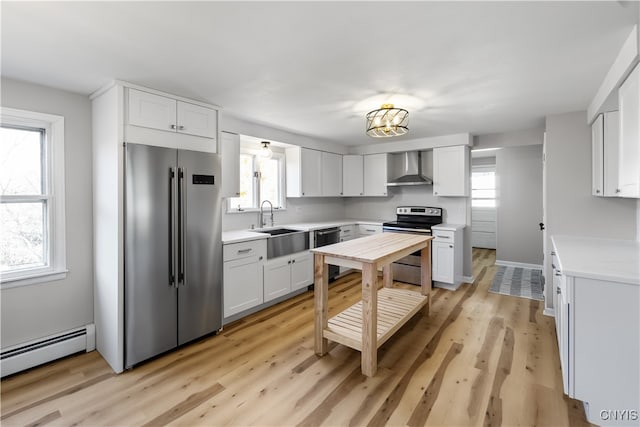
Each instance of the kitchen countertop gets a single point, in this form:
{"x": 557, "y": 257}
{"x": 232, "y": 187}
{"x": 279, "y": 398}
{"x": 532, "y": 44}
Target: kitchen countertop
{"x": 448, "y": 227}
{"x": 599, "y": 259}
{"x": 236, "y": 236}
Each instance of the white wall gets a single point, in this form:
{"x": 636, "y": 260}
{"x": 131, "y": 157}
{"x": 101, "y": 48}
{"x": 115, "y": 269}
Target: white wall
{"x": 509, "y": 139}
{"x": 35, "y": 311}
{"x": 519, "y": 210}
{"x": 571, "y": 209}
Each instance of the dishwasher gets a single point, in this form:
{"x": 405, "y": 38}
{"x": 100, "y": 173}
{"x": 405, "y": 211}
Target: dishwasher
{"x": 324, "y": 237}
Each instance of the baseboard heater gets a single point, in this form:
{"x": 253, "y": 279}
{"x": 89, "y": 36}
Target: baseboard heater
{"x": 33, "y": 353}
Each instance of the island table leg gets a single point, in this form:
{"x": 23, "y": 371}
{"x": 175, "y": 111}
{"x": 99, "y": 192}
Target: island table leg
{"x": 369, "y": 319}
{"x": 320, "y": 291}
{"x": 425, "y": 274}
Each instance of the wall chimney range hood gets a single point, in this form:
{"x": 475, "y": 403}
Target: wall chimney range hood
{"x": 411, "y": 171}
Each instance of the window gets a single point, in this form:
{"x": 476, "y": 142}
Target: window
{"x": 32, "y": 247}
{"x": 260, "y": 179}
{"x": 483, "y": 186}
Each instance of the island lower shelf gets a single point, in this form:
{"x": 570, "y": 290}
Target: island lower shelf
{"x": 395, "y": 308}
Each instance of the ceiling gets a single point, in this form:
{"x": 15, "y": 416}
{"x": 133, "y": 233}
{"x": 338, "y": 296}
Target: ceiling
{"x": 316, "y": 68}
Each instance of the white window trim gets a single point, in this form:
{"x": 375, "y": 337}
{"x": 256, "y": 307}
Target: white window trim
{"x": 283, "y": 190}
{"x": 54, "y": 168}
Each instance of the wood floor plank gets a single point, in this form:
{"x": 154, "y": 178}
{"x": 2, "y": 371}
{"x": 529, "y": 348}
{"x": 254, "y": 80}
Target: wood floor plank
{"x": 476, "y": 358}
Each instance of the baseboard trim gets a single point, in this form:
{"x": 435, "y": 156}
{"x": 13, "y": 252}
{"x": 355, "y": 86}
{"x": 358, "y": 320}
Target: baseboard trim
{"x": 518, "y": 264}
{"x": 549, "y": 312}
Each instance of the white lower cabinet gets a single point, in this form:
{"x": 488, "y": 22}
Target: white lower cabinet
{"x": 442, "y": 258}
{"x": 287, "y": 274}
{"x": 597, "y": 329}
{"x": 446, "y": 255}
{"x": 242, "y": 276}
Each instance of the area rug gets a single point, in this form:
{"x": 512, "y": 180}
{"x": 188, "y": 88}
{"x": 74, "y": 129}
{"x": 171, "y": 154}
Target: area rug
{"x": 518, "y": 282}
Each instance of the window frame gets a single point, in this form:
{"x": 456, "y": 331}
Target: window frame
{"x": 480, "y": 169}
{"x": 53, "y": 193}
{"x": 282, "y": 203}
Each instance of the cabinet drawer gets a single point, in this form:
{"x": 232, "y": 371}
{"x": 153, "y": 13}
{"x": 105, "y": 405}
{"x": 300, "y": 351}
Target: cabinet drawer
{"x": 245, "y": 249}
{"x": 367, "y": 229}
{"x": 347, "y": 232}
{"x": 443, "y": 235}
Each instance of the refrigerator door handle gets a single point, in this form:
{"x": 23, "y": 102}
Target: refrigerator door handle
{"x": 181, "y": 231}
{"x": 172, "y": 255}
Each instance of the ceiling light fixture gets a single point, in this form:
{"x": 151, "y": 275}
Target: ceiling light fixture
{"x": 387, "y": 121}
{"x": 266, "y": 152}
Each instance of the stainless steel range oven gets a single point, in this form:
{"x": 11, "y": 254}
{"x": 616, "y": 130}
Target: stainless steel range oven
{"x": 414, "y": 220}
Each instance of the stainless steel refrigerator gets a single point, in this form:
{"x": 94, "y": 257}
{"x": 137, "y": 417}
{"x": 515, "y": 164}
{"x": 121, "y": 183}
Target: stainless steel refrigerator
{"x": 173, "y": 249}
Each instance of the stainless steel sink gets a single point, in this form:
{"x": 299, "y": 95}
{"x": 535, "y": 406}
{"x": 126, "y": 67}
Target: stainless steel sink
{"x": 284, "y": 241}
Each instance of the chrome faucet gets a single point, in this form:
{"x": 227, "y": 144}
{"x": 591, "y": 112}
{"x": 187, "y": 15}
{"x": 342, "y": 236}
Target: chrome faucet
{"x": 261, "y": 218}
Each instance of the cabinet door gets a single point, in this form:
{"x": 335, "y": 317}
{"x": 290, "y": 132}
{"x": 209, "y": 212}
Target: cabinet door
{"x": 562, "y": 330}
{"x": 277, "y": 278}
{"x": 230, "y": 152}
{"x": 629, "y": 154}
{"x": 442, "y": 262}
{"x": 301, "y": 270}
{"x": 451, "y": 171}
{"x": 242, "y": 285}
{"x": 151, "y": 111}
{"x": 331, "y": 174}
{"x": 610, "y": 161}
{"x": 311, "y": 172}
{"x": 197, "y": 120}
{"x": 597, "y": 156}
{"x": 352, "y": 175}
{"x": 375, "y": 175}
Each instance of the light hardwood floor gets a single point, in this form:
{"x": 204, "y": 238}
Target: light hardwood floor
{"x": 478, "y": 359}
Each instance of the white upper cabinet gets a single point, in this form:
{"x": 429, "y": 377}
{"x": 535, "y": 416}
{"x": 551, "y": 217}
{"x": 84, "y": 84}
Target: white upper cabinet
{"x": 375, "y": 174}
{"x": 597, "y": 156}
{"x": 451, "y": 171}
{"x": 352, "y": 175}
{"x": 629, "y": 149}
{"x": 230, "y": 152}
{"x": 152, "y": 111}
{"x": 331, "y": 174}
{"x": 163, "y": 113}
{"x": 197, "y": 120}
{"x": 304, "y": 172}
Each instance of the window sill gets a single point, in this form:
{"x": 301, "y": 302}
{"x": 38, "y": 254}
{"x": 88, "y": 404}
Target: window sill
{"x": 253, "y": 210}
{"x": 32, "y": 279}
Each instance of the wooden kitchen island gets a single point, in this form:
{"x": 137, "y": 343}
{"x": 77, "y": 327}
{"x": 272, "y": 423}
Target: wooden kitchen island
{"x": 368, "y": 324}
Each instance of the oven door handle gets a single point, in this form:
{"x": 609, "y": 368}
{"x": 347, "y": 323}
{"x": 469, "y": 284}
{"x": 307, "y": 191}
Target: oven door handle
{"x": 407, "y": 230}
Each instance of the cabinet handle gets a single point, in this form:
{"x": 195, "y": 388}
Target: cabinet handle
{"x": 597, "y": 191}
{"x": 435, "y": 192}
{"x": 244, "y": 251}
{"x": 237, "y": 193}
{"x": 442, "y": 237}
{"x": 341, "y": 194}
{"x": 558, "y": 291}
{"x": 617, "y": 190}
{"x": 173, "y": 127}
{"x": 553, "y": 252}
{"x": 361, "y": 194}
{"x": 180, "y": 127}
{"x": 293, "y": 261}
{"x": 289, "y": 262}
{"x": 558, "y": 273}
{"x": 260, "y": 258}
{"x": 303, "y": 193}
{"x": 370, "y": 230}
{"x": 451, "y": 246}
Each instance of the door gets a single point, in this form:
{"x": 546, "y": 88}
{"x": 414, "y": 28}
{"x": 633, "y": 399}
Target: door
{"x": 301, "y": 271}
{"x": 311, "y": 172}
{"x": 230, "y": 152}
{"x": 277, "y": 278}
{"x": 331, "y": 174}
{"x": 442, "y": 257}
{"x": 352, "y": 175}
{"x": 197, "y": 120}
{"x": 150, "y": 294}
{"x": 199, "y": 245}
{"x": 151, "y": 111}
{"x": 242, "y": 285}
